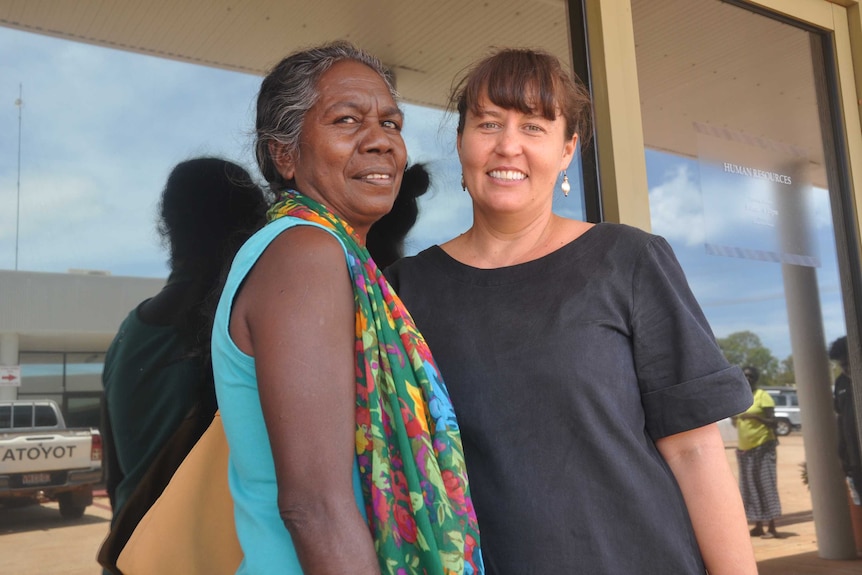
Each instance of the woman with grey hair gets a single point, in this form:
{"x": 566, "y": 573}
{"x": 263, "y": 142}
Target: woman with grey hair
{"x": 345, "y": 453}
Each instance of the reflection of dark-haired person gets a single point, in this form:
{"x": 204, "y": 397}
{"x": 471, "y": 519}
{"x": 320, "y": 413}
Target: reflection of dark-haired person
{"x": 848, "y": 438}
{"x": 385, "y": 239}
{"x": 157, "y": 368}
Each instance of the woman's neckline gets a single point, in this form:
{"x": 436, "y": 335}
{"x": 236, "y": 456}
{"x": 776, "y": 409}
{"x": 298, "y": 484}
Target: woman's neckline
{"x": 575, "y": 242}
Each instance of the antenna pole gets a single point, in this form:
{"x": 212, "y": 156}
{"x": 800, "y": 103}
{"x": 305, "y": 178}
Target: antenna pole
{"x": 20, "y": 104}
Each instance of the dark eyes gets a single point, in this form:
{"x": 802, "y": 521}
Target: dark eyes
{"x": 533, "y": 128}
{"x": 390, "y": 124}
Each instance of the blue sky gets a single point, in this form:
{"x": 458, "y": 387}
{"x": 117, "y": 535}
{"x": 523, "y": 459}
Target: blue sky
{"x": 102, "y": 128}
{"x": 738, "y": 294}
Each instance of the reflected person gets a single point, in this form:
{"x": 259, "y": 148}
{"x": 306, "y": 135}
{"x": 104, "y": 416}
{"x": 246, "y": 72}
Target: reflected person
{"x": 848, "y": 438}
{"x": 756, "y": 456}
{"x": 157, "y": 367}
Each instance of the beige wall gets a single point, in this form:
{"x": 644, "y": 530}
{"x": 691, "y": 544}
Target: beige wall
{"x": 619, "y": 132}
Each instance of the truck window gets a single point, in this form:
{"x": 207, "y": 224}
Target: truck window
{"x": 45, "y": 416}
{"x": 5, "y": 416}
{"x": 22, "y": 416}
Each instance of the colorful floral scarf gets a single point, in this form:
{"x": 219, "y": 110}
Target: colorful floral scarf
{"x": 408, "y": 445}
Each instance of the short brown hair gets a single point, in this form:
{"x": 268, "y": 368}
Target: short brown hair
{"x": 530, "y": 81}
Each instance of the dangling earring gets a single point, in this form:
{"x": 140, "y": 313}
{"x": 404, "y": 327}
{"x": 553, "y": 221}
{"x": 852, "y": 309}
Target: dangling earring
{"x": 463, "y": 184}
{"x": 566, "y": 186}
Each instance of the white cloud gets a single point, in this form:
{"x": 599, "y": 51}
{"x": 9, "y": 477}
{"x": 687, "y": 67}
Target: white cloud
{"x": 101, "y": 130}
{"x": 675, "y": 200}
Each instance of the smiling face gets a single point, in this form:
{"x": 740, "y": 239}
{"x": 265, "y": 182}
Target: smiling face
{"x": 511, "y": 159}
{"x": 351, "y": 155}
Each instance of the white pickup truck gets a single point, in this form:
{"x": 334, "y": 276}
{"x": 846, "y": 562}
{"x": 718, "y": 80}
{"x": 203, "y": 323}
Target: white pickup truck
{"x": 41, "y": 459}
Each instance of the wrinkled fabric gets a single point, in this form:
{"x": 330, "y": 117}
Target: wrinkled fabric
{"x": 408, "y": 445}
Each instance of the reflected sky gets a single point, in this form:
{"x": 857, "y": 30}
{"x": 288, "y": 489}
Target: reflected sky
{"x": 736, "y": 293}
{"x": 102, "y": 128}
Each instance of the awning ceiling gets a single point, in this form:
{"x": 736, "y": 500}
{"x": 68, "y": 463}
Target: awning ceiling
{"x": 428, "y": 43}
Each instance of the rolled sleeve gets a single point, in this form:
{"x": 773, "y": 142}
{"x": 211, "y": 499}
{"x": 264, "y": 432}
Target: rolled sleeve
{"x": 685, "y": 380}
{"x": 696, "y": 403}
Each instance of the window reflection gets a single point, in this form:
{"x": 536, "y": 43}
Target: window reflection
{"x": 735, "y": 164}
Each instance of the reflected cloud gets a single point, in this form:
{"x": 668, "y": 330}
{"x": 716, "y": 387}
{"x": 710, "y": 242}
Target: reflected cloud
{"x": 677, "y": 199}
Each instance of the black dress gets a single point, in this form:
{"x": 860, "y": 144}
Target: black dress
{"x": 563, "y": 372}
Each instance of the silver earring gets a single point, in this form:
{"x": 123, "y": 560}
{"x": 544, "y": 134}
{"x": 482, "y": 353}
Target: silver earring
{"x": 463, "y": 184}
{"x": 566, "y": 186}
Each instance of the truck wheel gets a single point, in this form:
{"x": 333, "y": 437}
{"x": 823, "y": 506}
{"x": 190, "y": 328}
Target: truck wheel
{"x": 73, "y": 503}
{"x": 783, "y": 427}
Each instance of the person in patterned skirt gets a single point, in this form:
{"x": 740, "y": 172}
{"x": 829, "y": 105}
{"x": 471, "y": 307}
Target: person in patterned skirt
{"x": 756, "y": 455}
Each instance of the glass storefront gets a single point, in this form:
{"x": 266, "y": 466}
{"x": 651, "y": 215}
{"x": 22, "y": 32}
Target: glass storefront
{"x": 747, "y": 183}
{"x": 73, "y": 380}
{"x": 738, "y": 181}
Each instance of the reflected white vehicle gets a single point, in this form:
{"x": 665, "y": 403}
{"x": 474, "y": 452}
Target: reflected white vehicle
{"x": 786, "y": 409}
{"x": 786, "y": 412}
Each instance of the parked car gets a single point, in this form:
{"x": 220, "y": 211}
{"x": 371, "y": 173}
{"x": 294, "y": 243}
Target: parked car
{"x": 786, "y": 409}
{"x": 40, "y": 458}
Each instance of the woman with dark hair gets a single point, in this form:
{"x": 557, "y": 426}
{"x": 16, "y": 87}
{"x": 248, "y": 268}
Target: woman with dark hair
{"x": 584, "y": 374}
{"x": 157, "y": 368}
{"x": 345, "y": 453}
{"x": 848, "y": 439}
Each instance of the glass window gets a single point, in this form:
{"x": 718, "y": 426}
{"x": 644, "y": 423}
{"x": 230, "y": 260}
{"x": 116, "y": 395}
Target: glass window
{"x": 41, "y": 372}
{"x": 55, "y": 397}
{"x": 45, "y": 416}
{"x": 83, "y": 411}
{"x": 22, "y": 416}
{"x": 84, "y": 371}
{"x": 737, "y": 173}
{"x": 204, "y": 111}
{"x": 5, "y": 416}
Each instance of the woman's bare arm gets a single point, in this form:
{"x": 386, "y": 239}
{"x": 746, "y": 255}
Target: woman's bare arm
{"x": 296, "y": 314}
{"x": 712, "y": 497}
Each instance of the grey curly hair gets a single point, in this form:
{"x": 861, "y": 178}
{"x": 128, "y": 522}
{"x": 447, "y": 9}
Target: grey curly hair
{"x": 290, "y": 90}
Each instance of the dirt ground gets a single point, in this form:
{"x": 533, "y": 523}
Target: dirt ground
{"x": 36, "y": 541}
{"x": 795, "y": 550}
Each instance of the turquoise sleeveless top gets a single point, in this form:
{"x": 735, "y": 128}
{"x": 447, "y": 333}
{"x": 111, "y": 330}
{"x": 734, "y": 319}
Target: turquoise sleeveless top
{"x": 264, "y": 539}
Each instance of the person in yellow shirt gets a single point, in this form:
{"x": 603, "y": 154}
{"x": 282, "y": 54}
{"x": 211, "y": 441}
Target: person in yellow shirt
{"x": 756, "y": 455}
